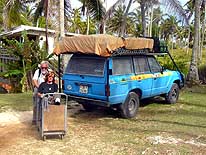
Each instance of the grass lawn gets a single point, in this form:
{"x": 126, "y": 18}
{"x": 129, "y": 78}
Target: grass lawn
{"x": 19, "y": 102}
{"x": 159, "y": 128}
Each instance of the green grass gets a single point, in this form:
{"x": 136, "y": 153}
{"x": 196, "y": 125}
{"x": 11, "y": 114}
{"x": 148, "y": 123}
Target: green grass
{"x": 185, "y": 120}
{"x": 18, "y": 102}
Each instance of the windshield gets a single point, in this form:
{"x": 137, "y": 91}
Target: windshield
{"x": 86, "y": 66}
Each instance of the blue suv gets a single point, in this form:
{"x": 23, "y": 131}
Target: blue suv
{"x": 119, "y": 81}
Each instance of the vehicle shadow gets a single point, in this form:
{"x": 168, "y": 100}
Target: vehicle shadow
{"x": 98, "y": 112}
{"x": 77, "y": 110}
{"x": 155, "y": 100}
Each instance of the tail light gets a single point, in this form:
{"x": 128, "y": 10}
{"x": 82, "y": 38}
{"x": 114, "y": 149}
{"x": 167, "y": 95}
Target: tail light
{"x": 107, "y": 90}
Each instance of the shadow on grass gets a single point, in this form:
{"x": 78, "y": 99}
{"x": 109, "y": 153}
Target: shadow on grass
{"x": 156, "y": 100}
{"x": 99, "y": 112}
{"x": 193, "y": 104}
{"x": 146, "y": 130}
{"x": 172, "y": 122}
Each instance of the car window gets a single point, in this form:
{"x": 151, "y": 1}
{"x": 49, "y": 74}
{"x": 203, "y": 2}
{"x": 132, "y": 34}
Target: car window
{"x": 154, "y": 65}
{"x": 141, "y": 65}
{"x": 86, "y": 66}
{"x": 122, "y": 65}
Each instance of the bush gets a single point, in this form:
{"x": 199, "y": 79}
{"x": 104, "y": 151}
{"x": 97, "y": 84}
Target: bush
{"x": 167, "y": 63}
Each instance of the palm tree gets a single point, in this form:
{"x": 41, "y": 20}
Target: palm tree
{"x": 169, "y": 27}
{"x": 75, "y": 22}
{"x": 13, "y": 10}
{"x": 93, "y": 9}
{"x": 115, "y": 22}
{"x": 172, "y": 5}
{"x": 190, "y": 12}
{"x": 43, "y": 8}
{"x": 123, "y": 25}
{"x": 193, "y": 70}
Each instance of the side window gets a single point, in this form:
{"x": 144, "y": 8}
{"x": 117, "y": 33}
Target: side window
{"x": 141, "y": 65}
{"x": 122, "y": 65}
{"x": 154, "y": 65}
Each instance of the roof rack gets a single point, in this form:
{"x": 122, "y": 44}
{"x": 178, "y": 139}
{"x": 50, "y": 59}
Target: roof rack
{"x": 146, "y": 51}
{"x": 123, "y": 51}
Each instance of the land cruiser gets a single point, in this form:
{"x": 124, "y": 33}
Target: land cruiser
{"x": 120, "y": 77}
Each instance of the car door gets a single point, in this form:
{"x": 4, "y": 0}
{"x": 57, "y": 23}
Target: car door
{"x": 119, "y": 81}
{"x": 143, "y": 75}
{"x": 160, "y": 77}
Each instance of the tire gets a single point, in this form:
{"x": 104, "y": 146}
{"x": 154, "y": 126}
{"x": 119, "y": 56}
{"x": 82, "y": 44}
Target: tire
{"x": 173, "y": 94}
{"x": 131, "y": 105}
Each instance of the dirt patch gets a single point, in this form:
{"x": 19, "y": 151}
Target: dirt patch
{"x": 172, "y": 140}
{"x": 12, "y": 117}
{"x": 14, "y": 126}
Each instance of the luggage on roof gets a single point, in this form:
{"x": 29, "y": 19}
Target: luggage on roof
{"x": 100, "y": 44}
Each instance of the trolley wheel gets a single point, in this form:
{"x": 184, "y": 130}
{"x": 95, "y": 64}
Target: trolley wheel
{"x": 44, "y": 138}
{"x": 61, "y": 136}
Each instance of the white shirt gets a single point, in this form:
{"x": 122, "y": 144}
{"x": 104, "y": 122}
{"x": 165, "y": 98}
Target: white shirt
{"x": 40, "y": 78}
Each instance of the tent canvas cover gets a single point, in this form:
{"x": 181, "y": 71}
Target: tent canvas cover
{"x": 100, "y": 44}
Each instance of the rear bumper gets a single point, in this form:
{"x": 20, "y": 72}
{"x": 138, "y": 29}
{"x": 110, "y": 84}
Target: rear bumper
{"x": 89, "y": 100}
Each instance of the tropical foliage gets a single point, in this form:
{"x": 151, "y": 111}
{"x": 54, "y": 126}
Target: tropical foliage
{"x": 27, "y": 54}
{"x": 146, "y": 18}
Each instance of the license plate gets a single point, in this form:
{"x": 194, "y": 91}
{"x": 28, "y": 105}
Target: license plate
{"x": 83, "y": 89}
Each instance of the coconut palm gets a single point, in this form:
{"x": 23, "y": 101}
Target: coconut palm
{"x": 93, "y": 9}
{"x": 13, "y": 10}
{"x": 96, "y": 10}
{"x": 123, "y": 25}
{"x": 115, "y": 22}
{"x": 193, "y": 70}
{"x": 190, "y": 12}
{"x": 172, "y": 5}
{"x": 43, "y": 7}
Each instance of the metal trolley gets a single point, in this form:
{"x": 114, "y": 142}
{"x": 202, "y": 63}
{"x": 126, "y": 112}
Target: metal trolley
{"x": 52, "y": 115}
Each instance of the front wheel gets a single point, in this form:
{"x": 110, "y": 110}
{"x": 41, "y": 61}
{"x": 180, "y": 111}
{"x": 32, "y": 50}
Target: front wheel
{"x": 173, "y": 94}
{"x": 130, "y": 107}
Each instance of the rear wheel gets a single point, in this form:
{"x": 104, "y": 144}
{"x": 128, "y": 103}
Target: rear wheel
{"x": 173, "y": 94}
{"x": 130, "y": 107}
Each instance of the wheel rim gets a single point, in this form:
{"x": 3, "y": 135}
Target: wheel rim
{"x": 174, "y": 94}
{"x": 132, "y": 105}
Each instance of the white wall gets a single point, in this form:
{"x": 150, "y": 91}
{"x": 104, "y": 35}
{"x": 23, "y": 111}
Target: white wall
{"x": 50, "y": 43}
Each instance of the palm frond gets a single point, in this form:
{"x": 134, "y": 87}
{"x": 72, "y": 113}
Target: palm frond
{"x": 96, "y": 9}
{"x": 174, "y": 7}
{"x": 110, "y": 11}
{"x": 67, "y": 7}
{"x": 39, "y": 10}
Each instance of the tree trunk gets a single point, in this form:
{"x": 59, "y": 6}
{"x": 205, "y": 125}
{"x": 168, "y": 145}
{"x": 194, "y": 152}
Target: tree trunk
{"x": 193, "y": 71}
{"x": 188, "y": 42}
{"x": 47, "y": 16}
{"x": 87, "y": 23}
{"x": 151, "y": 21}
{"x": 124, "y": 20}
{"x": 61, "y": 18}
{"x": 203, "y": 31}
{"x": 143, "y": 11}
